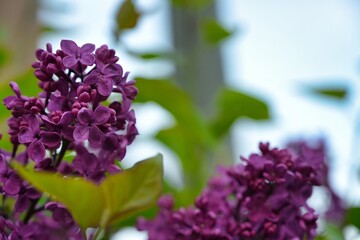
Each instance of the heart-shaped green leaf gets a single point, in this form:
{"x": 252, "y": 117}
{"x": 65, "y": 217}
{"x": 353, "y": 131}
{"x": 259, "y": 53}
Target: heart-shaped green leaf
{"x": 117, "y": 197}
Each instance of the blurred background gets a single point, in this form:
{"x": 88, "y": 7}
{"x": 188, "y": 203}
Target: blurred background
{"x": 229, "y": 74}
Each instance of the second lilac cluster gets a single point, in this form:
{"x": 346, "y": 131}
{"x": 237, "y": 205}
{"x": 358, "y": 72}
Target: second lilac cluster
{"x": 265, "y": 197}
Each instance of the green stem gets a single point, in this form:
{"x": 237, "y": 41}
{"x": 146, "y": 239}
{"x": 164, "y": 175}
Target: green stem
{"x": 98, "y": 232}
{"x": 64, "y": 147}
{"x": 31, "y": 210}
{"x": 102, "y": 234}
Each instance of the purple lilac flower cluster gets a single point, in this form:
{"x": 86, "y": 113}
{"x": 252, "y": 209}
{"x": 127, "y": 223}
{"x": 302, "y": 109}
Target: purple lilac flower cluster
{"x": 72, "y": 117}
{"x": 315, "y": 155}
{"x": 264, "y": 197}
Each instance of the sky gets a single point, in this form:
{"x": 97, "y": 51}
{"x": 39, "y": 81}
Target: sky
{"x": 278, "y": 48}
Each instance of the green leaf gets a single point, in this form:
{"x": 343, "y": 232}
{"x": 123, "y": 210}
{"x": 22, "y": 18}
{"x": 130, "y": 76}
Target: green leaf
{"x": 194, "y": 159}
{"x": 28, "y": 86}
{"x": 178, "y": 103}
{"x": 127, "y": 16}
{"x": 352, "y": 216}
{"x": 232, "y": 105}
{"x": 336, "y": 92}
{"x": 213, "y": 32}
{"x": 152, "y": 55}
{"x": 332, "y": 232}
{"x": 190, "y": 138}
{"x": 191, "y": 3}
{"x": 115, "y": 199}
{"x": 83, "y": 198}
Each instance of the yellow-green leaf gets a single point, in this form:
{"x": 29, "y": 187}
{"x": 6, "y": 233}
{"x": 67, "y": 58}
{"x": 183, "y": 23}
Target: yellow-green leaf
{"x": 117, "y": 197}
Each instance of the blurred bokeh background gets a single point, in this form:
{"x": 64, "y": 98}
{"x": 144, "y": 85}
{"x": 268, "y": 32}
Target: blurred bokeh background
{"x": 270, "y": 71}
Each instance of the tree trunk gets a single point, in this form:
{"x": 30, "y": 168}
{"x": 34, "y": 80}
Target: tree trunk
{"x": 19, "y": 33}
{"x": 199, "y": 70}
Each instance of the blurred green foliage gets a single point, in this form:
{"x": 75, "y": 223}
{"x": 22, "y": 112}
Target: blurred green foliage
{"x": 126, "y": 17}
{"x": 338, "y": 93}
{"x": 213, "y": 32}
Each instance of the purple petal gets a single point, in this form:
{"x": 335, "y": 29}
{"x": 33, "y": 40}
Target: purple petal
{"x": 22, "y": 203}
{"x": 3, "y": 165}
{"x": 60, "y": 214}
{"x": 32, "y": 193}
{"x": 90, "y": 162}
{"x": 69, "y": 47}
{"x": 66, "y": 119}
{"x": 8, "y": 101}
{"x": 34, "y": 123}
{"x": 50, "y": 139}
{"x": 110, "y": 142}
{"x": 70, "y": 61}
{"x": 16, "y": 89}
{"x": 51, "y": 206}
{"x": 65, "y": 168}
{"x": 68, "y": 133}
{"x": 87, "y": 59}
{"x": 92, "y": 78}
{"x": 95, "y": 137}
{"x": 84, "y": 116}
{"x": 113, "y": 70}
{"x": 121, "y": 149}
{"x": 47, "y": 122}
{"x": 113, "y": 169}
{"x": 101, "y": 115}
{"x": 87, "y": 48}
{"x": 81, "y": 133}
{"x": 131, "y": 132}
{"x": 105, "y": 87}
{"x": 12, "y": 184}
{"x": 26, "y": 136}
{"x": 36, "y": 151}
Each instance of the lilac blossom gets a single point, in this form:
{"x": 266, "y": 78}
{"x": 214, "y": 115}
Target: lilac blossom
{"x": 315, "y": 157}
{"x": 73, "y": 117}
{"x": 264, "y": 197}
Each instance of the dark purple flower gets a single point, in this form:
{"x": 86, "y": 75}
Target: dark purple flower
{"x": 76, "y": 84}
{"x": 102, "y": 77}
{"x": 37, "y": 140}
{"x": 265, "y": 197}
{"x": 59, "y": 213}
{"x": 105, "y": 55}
{"x": 60, "y": 122}
{"x": 87, "y": 128}
{"x": 88, "y": 164}
{"x": 76, "y": 54}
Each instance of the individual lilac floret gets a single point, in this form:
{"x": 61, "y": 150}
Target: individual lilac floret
{"x": 77, "y": 54}
{"x": 265, "y": 197}
{"x": 71, "y": 118}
